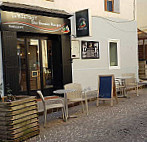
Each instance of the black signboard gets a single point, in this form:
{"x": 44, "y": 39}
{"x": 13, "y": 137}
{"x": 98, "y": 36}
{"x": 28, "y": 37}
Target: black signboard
{"x": 14, "y": 21}
{"x": 90, "y": 50}
{"x": 82, "y": 23}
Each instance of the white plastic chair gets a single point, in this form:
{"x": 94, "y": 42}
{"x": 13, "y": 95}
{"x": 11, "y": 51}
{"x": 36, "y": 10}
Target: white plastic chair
{"x": 120, "y": 87}
{"x": 76, "y": 96}
{"x": 51, "y": 104}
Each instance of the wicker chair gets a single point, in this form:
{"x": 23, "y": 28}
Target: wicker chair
{"x": 51, "y": 104}
{"x": 131, "y": 82}
{"x": 77, "y": 96}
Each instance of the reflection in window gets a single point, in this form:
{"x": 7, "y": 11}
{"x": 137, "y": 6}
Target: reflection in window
{"x": 47, "y": 63}
{"x": 22, "y": 63}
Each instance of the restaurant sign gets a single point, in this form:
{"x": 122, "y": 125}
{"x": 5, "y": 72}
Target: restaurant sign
{"x": 82, "y": 23}
{"x": 14, "y": 21}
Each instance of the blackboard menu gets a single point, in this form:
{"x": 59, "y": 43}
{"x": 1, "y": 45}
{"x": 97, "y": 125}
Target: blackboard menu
{"x": 90, "y": 50}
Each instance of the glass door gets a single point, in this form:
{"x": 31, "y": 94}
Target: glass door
{"x": 33, "y": 64}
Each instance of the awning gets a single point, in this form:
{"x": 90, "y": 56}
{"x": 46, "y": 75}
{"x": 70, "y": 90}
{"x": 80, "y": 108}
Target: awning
{"x": 16, "y": 7}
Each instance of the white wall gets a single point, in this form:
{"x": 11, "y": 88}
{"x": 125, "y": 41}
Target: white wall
{"x": 86, "y": 71}
{"x": 96, "y": 6}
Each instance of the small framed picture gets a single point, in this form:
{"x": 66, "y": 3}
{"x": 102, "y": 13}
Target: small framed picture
{"x": 90, "y": 49}
{"x": 34, "y": 73}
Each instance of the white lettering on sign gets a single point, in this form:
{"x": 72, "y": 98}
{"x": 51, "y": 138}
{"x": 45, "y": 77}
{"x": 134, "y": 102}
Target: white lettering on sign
{"x": 24, "y": 16}
{"x": 55, "y": 25}
{"x": 15, "y": 27}
{"x": 34, "y": 22}
{"x": 45, "y": 24}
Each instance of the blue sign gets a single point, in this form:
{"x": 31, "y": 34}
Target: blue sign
{"x": 105, "y": 86}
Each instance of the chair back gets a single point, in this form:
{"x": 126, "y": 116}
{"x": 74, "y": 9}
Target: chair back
{"x": 117, "y": 83}
{"x": 131, "y": 80}
{"x": 77, "y": 93}
{"x": 41, "y": 96}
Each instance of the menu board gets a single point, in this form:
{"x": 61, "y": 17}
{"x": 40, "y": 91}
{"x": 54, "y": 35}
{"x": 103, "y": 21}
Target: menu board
{"x": 90, "y": 50}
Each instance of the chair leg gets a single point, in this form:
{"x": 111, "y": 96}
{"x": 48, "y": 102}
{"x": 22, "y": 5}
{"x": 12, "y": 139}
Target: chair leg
{"x": 63, "y": 115}
{"x": 116, "y": 99}
{"x": 45, "y": 115}
{"x": 111, "y": 101}
{"x": 66, "y": 111}
{"x": 97, "y": 102}
{"x": 137, "y": 91}
{"x": 86, "y": 104}
{"x": 82, "y": 106}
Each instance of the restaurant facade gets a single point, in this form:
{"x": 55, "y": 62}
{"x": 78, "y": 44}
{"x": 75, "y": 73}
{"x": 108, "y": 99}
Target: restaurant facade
{"x": 45, "y": 48}
{"x": 35, "y": 46}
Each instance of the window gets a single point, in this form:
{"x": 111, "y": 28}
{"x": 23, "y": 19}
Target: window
{"x": 109, "y": 5}
{"x": 112, "y": 5}
{"x": 113, "y": 54}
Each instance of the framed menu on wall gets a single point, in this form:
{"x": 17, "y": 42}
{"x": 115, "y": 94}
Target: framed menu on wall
{"x": 90, "y": 49}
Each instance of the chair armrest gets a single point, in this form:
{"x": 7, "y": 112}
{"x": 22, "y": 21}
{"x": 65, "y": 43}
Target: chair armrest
{"x": 59, "y": 100}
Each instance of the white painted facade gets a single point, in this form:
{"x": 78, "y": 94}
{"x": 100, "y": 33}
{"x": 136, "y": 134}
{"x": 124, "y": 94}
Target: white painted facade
{"x": 106, "y": 26}
{"x": 96, "y": 6}
{"x": 86, "y": 71}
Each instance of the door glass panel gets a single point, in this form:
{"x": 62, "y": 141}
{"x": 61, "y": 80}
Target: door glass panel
{"x": 47, "y": 63}
{"x": 22, "y": 63}
{"x": 34, "y": 64}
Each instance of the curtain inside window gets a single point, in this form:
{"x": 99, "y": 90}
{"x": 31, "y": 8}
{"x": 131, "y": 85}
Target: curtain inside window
{"x": 113, "y": 54}
{"x": 109, "y": 5}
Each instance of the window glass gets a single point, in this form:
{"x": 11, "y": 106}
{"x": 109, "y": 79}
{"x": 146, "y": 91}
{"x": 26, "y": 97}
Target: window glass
{"x": 116, "y": 6}
{"x": 109, "y": 6}
{"x": 47, "y": 63}
{"x": 113, "y": 54}
{"x": 34, "y": 64}
{"x": 22, "y": 63}
{"x": 112, "y": 5}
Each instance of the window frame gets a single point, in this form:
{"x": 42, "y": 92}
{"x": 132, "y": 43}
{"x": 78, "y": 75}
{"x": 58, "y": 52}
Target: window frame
{"x": 118, "y": 53}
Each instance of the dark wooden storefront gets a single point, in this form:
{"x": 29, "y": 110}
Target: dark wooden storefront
{"x": 60, "y": 46}
{"x": 142, "y": 54}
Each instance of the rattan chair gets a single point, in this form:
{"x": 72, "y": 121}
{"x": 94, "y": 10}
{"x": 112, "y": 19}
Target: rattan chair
{"x": 76, "y": 96}
{"x": 131, "y": 82}
{"x": 51, "y": 104}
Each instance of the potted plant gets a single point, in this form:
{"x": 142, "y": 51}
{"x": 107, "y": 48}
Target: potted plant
{"x": 18, "y": 117}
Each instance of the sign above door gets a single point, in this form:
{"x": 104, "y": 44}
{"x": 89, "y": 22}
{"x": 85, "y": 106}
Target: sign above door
{"x": 14, "y": 21}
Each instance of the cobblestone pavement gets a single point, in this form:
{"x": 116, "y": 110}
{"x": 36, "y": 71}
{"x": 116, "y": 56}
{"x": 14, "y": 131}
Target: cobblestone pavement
{"x": 124, "y": 122}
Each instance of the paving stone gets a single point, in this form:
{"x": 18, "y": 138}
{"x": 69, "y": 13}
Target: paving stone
{"x": 124, "y": 122}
